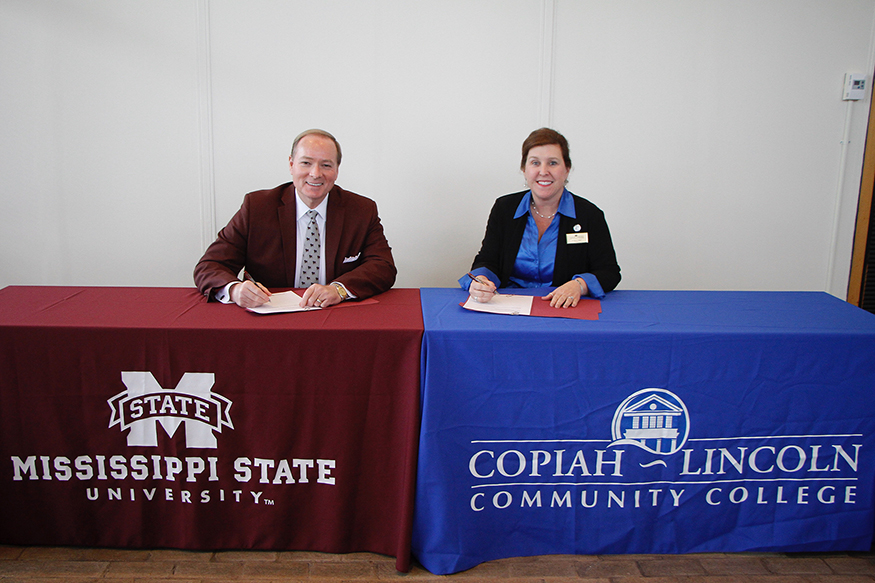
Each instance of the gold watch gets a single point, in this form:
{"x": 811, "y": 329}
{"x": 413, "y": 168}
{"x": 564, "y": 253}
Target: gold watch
{"x": 341, "y": 291}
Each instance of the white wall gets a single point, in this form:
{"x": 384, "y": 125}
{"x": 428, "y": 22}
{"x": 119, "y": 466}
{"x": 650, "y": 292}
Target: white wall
{"x": 711, "y": 132}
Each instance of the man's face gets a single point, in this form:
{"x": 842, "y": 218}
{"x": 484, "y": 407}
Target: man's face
{"x": 314, "y": 168}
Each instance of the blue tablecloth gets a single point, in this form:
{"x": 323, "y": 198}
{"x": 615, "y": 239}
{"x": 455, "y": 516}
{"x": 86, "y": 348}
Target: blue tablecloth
{"x": 678, "y": 422}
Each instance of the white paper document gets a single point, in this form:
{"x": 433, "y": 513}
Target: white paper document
{"x": 282, "y": 302}
{"x": 503, "y": 304}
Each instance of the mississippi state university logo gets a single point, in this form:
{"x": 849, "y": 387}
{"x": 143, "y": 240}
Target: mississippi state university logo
{"x": 655, "y": 420}
{"x": 145, "y": 405}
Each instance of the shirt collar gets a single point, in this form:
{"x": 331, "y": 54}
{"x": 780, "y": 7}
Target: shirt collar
{"x": 301, "y": 209}
{"x": 566, "y": 205}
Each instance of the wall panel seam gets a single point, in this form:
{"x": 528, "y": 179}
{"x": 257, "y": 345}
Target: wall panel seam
{"x": 548, "y": 12}
{"x": 205, "y": 125}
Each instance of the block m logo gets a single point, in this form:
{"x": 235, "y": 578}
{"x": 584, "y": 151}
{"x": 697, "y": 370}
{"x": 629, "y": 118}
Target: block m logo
{"x": 145, "y": 405}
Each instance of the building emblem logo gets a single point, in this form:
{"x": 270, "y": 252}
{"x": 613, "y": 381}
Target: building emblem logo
{"x": 656, "y": 420}
{"x": 145, "y": 405}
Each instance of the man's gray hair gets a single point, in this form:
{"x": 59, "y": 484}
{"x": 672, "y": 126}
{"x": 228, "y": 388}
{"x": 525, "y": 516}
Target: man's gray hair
{"x": 316, "y": 132}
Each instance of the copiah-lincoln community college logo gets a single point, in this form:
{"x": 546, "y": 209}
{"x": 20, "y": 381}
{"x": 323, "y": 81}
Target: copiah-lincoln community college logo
{"x": 651, "y": 459}
{"x": 146, "y": 404}
{"x": 656, "y": 420}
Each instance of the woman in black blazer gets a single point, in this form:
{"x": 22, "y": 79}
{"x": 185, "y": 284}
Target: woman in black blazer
{"x": 545, "y": 236}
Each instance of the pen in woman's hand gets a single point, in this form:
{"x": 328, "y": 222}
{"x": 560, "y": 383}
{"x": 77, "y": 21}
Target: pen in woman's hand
{"x": 474, "y": 278}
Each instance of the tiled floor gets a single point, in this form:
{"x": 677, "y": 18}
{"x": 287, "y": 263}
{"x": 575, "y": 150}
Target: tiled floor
{"x": 78, "y": 565}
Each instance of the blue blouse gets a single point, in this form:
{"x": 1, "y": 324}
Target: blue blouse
{"x": 536, "y": 259}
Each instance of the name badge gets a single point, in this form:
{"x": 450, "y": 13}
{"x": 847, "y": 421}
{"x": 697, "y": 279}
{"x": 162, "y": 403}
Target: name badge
{"x": 572, "y": 238}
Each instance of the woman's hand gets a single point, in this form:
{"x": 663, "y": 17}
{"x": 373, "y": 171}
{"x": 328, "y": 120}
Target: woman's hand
{"x": 481, "y": 289}
{"x": 568, "y": 294}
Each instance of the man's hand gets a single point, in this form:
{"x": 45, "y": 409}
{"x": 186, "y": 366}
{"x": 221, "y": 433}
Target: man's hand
{"x": 320, "y": 296}
{"x": 248, "y": 294}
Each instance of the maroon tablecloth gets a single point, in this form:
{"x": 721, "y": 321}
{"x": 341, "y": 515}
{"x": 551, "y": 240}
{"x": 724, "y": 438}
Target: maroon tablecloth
{"x": 146, "y": 417}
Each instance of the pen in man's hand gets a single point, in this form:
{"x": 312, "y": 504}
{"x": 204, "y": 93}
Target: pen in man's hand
{"x": 248, "y": 277}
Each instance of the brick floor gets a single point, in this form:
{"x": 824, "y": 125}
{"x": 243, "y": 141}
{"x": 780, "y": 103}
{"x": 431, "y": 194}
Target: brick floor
{"x": 81, "y": 565}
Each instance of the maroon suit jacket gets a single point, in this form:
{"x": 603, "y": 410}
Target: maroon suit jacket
{"x": 262, "y": 238}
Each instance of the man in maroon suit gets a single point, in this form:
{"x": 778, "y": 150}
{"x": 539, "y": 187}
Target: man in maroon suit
{"x": 338, "y": 252}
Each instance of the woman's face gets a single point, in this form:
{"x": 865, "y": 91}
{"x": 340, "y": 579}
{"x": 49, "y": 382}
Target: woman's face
{"x": 546, "y": 172}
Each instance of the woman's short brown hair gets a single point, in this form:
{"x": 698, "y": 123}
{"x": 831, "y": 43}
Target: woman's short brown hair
{"x": 546, "y": 137}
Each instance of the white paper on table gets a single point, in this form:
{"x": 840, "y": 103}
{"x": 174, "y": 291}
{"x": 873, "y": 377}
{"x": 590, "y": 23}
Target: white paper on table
{"x": 278, "y": 303}
{"x": 503, "y": 304}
